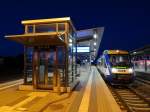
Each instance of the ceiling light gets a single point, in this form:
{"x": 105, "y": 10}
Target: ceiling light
{"x": 95, "y": 36}
{"x": 70, "y": 40}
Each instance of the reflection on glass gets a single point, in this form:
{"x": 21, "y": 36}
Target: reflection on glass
{"x": 41, "y": 73}
{"x": 51, "y": 61}
{"x": 30, "y": 29}
{"x": 42, "y": 68}
{"x": 28, "y": 65}
{"x": 120, "y": 60}
{"x": 61, "y": 27}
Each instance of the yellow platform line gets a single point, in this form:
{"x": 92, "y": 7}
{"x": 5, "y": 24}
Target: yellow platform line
{"x": 86, "y": 96}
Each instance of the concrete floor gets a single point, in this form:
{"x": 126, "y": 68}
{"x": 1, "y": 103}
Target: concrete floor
{"x": 84, "y": 98}
{"x": 13, "y": 100}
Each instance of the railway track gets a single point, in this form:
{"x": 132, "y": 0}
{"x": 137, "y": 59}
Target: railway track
{"x": 143, "y": 81}
{"x": 129, "y": 100}
{"x": 133, "y": 98}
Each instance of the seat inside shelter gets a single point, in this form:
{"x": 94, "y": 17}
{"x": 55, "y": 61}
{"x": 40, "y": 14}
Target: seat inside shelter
{"x": 49, "y": 54}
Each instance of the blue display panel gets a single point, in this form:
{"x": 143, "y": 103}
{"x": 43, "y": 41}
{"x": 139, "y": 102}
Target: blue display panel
{"x": 82, "y": 49}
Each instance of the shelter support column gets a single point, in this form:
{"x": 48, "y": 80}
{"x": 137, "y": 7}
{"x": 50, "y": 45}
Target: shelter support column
{"x": 46, "y": 67}
{"x": 35, "y": 66}
{"x": 66, "y": 66}
{"x": 56, "y": 75}
{"x": 25, "y": 75}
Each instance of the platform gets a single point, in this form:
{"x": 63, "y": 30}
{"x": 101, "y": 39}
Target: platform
{"x": 90, "y": 95}
{"x": 93, "y": 94}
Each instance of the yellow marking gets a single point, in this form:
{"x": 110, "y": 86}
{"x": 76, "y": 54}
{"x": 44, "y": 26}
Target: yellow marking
{"x": 86, "y": 96}
{"x": 18, "y": 106}
{"x": 10, "y": 84}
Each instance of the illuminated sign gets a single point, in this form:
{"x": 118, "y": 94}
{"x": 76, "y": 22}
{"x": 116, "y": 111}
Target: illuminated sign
{"x": 82, "y": 49}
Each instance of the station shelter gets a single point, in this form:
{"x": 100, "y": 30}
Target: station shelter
{"x": 49, "y": 54}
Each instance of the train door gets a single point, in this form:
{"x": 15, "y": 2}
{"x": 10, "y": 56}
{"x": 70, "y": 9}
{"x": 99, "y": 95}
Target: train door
{"x": 105, "y": 67}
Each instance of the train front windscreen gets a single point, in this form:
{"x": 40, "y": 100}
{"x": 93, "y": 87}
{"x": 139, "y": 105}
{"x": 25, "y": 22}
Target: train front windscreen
{"x": 120, "y": 60}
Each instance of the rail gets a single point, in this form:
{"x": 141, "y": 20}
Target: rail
{"x": 130, "y": 99}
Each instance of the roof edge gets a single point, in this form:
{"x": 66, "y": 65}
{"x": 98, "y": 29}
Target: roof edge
{"x": 36, "y": 21}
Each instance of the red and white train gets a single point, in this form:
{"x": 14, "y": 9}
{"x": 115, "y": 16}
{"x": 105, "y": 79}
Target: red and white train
{"x": 141, "y": 60}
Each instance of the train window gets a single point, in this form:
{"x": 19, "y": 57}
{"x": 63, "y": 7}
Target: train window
{"x": 117, "y": 60}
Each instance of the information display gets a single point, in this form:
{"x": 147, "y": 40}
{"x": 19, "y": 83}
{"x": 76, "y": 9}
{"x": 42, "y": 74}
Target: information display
{"x": 82, "y": 49}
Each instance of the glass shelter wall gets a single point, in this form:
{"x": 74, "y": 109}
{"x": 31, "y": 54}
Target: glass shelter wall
{"x": 72, "y": 67}
{"x": 28, "y": 61}
{"x": 54, "y": 60}
{"x": 49, "y": 60}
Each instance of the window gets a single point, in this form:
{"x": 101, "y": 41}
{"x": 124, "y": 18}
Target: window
{"x": 28, "y": 65}
{"x": 61, "y": 27}
{"x": 30, "y": 29}
{"x": 45, "y": 28}
{"x": 119, "y": 60}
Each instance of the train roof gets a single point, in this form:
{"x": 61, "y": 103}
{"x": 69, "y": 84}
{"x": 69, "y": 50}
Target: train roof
{"x": 115, "y": 52}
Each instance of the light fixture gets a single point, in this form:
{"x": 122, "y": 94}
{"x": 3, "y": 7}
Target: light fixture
{"x": 117, "y": 51}
{"x": 130, "y": 70}
{"x": 94, "y": 43}
{"x": 70, "y": 40}
{"x": 70, "y": 44}
{"x": 95, "y": 35}
{"x": 113, "y": 70}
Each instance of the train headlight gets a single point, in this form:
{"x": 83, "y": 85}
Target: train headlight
{"x": 130, "y": 70}
{"x": 113, "y": 70}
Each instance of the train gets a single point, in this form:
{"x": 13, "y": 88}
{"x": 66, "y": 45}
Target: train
{"x": 116, "y": 67}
